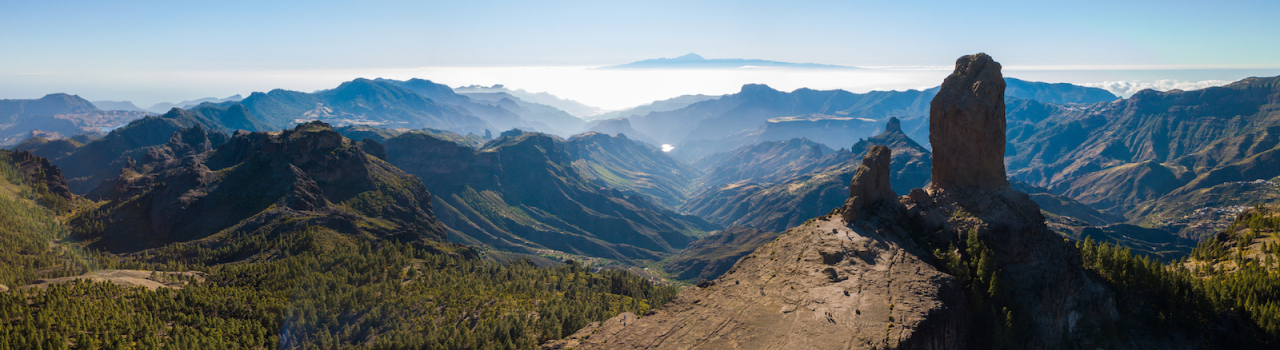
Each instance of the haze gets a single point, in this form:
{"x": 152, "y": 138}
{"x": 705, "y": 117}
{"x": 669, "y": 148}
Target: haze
{"x": 150, "y": 52}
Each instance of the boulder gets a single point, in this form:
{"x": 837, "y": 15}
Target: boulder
{"x": 967, "y": 126}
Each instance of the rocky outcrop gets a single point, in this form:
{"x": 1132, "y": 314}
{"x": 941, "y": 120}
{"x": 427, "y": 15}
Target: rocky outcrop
{"x": 967, "y": 126}
{"x": 894, "y": 125}
{"x": 259, "y": 182}
{"x": 870, "y": 184}
{"x": 40, "y": 173}
{"x": 966, "y": 263}
{"x": 823, "y": 285}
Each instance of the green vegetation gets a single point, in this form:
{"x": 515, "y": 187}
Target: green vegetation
{"x": 26, "y": 230}
{"x": 329, "y": 291}
{"x": 286, "y": 283}
{"x": 1225, "y": 283}
{"x": 974, "y": 269}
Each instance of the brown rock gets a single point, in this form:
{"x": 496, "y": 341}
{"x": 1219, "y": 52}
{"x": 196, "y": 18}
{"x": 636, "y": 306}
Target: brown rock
{"x": 870, "y": 183}
{"x": 893, "y": 125}
{"x": 824, "y": 285}
{"x": 967, "y": 126}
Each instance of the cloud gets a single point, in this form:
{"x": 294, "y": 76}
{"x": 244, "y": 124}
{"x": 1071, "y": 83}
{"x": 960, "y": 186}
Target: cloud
{"x": 1126, "y": 88}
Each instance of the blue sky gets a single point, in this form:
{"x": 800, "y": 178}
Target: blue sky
{"x": 114, "y": 43}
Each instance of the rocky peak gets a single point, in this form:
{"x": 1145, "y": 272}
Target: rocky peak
{"x": 894, "y": 125}
{"x": 967, "y": 126}
{"x": 871, "y": 183}
{"x": 39, "y": 171}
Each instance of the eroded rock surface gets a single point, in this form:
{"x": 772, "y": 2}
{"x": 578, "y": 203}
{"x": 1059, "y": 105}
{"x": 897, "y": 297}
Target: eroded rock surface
{"x": 823, "y": 285}
{"x": 967, "y": 126}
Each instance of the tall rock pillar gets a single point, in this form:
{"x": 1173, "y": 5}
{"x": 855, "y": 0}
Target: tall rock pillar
{"x": 967, "y": 126}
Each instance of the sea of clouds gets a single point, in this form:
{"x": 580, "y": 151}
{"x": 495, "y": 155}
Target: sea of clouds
{"x": 1130, "y": 87}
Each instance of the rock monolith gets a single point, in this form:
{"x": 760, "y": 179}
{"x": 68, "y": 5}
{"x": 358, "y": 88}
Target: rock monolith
{"x": 967, "y": 126}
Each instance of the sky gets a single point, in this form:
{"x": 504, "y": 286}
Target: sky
{"x": 150, "y": 52}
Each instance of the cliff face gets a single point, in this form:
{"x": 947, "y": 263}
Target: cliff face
{"x": 863, "y": 276}
{"x": 967, "y": 126}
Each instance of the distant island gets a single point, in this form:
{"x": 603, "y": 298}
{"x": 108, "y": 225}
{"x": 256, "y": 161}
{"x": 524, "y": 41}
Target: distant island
{"x": 692, "y": 61}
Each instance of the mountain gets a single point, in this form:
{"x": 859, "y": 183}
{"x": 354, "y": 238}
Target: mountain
{"x": 693, "y": 61}
{"x": 51, "y": 104}
{"x": 760, "y": 113}
{"x": 166, "y": 106}
{"x": 670, "y": 104}
{"x": 805, "y": 192}
{"x": 1161, "y": 159}
{"x": 551, "y": 119}
{"x": 767, "y": 162}
{"x": 363, "y": 101}
{"x": 522, "y": 193}
{"x": 55, "y": 115}
{"x": 709, "y": 257}
{"x": 619, "y": 162}
{"x": 86, "y": 163}
{"x": 1059, "y": 93}
{"x": 33, "y": 195}
{"x": 260, "y": 183}
{"x": 572, "y": 107}
{"x": 621, "y": 126}
{"x": 116, "y": 106}
{"x": 965, "y": 263}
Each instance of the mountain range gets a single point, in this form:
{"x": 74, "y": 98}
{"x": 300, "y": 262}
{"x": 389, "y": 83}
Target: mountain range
{"x": 56, "y": 116}
{"x": 986, "y": 212}
{"x": 569, "y": 106}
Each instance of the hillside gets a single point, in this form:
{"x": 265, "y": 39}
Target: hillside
{"x": 780, "y": 200}
{"x": 522, "y": 193}
{"x": 767, "y": 162}
{"x": 367, "y": 264}
{"x": 259, "y": 183}
{"x": 86, "y": 164}
{"x": 713, "y": 255}
{"x": 1144, "y": 157}
{"x": 621, "y": 163}
{"x": 33, "y": 198}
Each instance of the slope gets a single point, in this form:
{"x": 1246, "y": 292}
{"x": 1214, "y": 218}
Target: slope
{"x": 258, "y": 185}
{"x": 522, "y": 193}
{"x": 619, "y": 162}
{"x": 788, "y": 202}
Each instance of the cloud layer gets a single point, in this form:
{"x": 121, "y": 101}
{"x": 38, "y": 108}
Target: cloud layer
{"x": 1126, "y": 88}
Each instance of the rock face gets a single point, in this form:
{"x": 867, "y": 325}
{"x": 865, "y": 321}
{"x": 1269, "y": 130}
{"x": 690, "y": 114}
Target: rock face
{"x": 871, "y": 183}
{"x": 967, "y": 126}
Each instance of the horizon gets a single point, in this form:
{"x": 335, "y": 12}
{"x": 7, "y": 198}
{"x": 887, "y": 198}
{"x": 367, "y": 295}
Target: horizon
{"x": 152, "y": 52}
{"x": 620, "y": 89}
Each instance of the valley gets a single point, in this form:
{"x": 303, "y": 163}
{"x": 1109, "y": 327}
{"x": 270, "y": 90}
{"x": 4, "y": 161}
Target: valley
{"x": 406, "y": 213}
